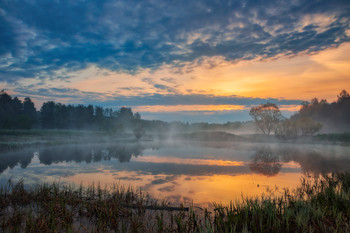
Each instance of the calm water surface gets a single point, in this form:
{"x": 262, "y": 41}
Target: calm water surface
{"x": 178, "y": 171}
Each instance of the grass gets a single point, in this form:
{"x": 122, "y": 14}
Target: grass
{"x": 45, "y": 132}
{"x": 341, "y": 137}
{"x": 18, "y": 139}
{"x": 320, "y": 204}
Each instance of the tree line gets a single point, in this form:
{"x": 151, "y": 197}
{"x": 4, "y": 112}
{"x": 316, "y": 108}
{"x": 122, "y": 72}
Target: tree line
{"x": 16, "y": 114}
{"x": 311, "y": 117}
{"x": 54, "y": 115}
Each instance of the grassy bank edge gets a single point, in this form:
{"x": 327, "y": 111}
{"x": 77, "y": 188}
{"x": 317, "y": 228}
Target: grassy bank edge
{"x": 320, "y": 204}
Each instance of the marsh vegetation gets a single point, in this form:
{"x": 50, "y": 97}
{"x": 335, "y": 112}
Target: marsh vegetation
{"x": 319, "y": 204}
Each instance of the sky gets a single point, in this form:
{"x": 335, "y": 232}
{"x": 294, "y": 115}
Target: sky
{"x": 178, "y": 60}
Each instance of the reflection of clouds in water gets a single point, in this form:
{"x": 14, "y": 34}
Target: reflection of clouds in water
{"x": 103, "y": 163}
{"x": 177, "y": 199}
{"x": 29, "y": 176}
{"x": 127, "y": 178}
{"x": 168, "y": 181}
{"x": 169, "y": 188}
{"x": 178, "y": 169}
{"x": 163, "y": 180}
{"x": 70, "y": 160}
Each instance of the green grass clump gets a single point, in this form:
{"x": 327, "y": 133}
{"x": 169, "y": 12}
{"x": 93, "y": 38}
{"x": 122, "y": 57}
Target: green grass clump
{"x": 320, "y": 204}
{"x": 340, "y": 137}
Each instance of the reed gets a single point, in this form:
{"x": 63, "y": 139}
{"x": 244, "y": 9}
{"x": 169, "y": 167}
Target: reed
{"x": 319, "y": 204}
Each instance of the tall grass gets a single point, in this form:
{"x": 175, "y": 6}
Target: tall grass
{"x": 320, "y": 204}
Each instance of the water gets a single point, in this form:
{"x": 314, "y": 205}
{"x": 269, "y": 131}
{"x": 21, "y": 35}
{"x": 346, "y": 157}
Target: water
{"x": 178, "y": 171}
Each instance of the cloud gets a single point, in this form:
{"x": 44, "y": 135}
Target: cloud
{"x": 76, "y": 96}
{"x": 195, "y": 99}
{"x": 38, "y": 38}
{"x": 65, "y": 94}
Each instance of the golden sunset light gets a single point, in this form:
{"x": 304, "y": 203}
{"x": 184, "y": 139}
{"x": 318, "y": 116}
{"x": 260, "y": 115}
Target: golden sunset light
{"x": 174, "y": 116}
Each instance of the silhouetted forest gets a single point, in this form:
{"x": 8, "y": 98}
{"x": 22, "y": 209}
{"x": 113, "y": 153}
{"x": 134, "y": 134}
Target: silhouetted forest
{"x": 333, "y": 116}
{"x": 17, "y": 114}
{"x": 59, "y": 116}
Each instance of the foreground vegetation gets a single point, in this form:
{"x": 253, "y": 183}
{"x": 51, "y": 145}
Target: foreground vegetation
{"x": 320, "y": 204}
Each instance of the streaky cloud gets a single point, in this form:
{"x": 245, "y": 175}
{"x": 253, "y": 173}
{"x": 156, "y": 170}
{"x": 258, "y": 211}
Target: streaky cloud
{"x": 38, "y": 38}
{"x": 75, "y": 96}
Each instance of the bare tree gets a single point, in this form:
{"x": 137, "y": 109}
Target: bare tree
{"x": 266, "y": 117}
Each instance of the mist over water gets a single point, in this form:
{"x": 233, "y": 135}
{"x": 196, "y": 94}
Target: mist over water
{"x": 177, "y": 170}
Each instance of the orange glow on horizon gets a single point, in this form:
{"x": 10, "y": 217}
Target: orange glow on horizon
{"x": 305, "y": 76}
{"x": 190, "y": 108}
{"x": 177, "y": 108}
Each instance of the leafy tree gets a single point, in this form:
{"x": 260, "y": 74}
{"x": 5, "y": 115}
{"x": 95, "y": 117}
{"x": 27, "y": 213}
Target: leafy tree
{"x": 14, "y": 114}
{"x": 48, "y": 115}
{"x": 287, "y": 129}
{"x": 137, "y": 116}
{"x": 334, "y": 116}
{"x": 308, "y": 126}
{"x": 28, "y": 107}
{"x": 343, "y": 96}
{"x": 125, "y": 114}
{"x": 266, "y": 117}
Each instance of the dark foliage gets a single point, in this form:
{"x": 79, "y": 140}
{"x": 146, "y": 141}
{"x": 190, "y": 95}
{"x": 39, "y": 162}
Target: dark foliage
{"x": 334, "y": 116}
{"x": 15, "y": 114}
{"x": 60, "y": 116}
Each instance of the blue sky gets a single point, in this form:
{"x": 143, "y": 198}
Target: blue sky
{"x": 182, "y": 54}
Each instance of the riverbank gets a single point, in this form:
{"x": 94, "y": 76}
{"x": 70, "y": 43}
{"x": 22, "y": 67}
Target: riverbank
{"x": 17, "y": 139}
{"x": 319, "y": 205}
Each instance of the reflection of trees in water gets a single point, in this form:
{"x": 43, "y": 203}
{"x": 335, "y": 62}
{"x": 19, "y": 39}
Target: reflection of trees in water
{"x": 318, "y": 162}
{"x": 70, "y": 153}
{"x": 88, "y": 154}
{"x": 265, "y": 162}
{"x": 269, "y": 161}
{"x": 12, "y": 159}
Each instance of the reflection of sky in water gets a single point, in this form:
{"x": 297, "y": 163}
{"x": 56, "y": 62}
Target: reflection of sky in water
{"x": 178, "y": 172}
